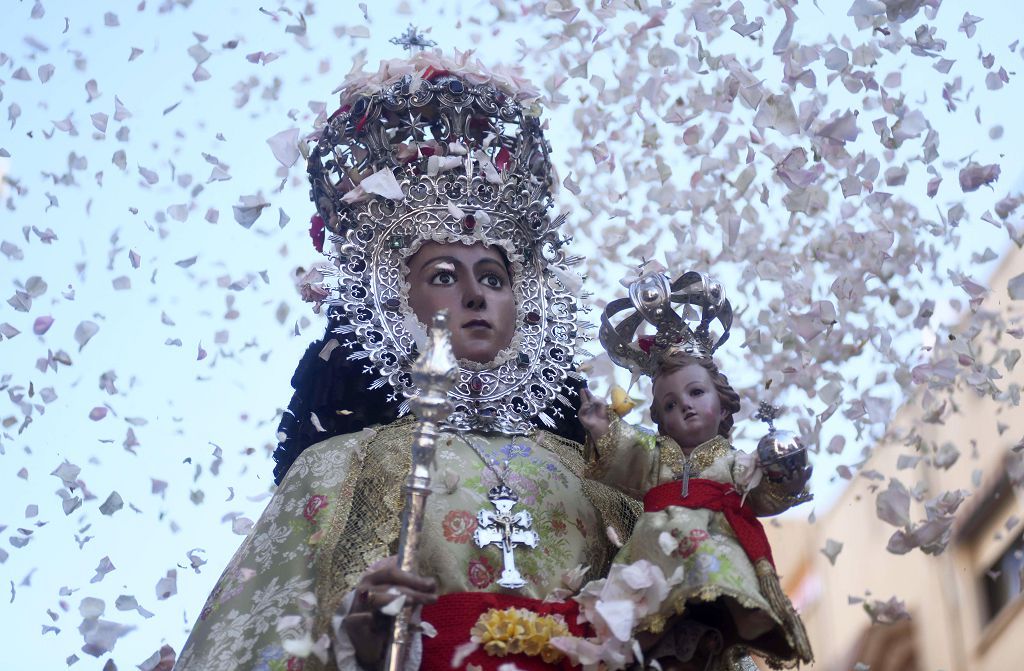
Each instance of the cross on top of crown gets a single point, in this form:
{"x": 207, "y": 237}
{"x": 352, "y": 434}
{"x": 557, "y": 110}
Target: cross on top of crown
{"x": 412, "y": 40}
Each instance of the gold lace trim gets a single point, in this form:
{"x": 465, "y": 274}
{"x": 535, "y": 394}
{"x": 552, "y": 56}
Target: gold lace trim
{"x": 600, "y": 457}
{"x": 657, "y": 622}
{"x": 780, "y": 609}
{"x": 366, "y": 515}
{"x": 559, "y": 445}
{"x": 700, "y": 458}
{"x": 796, "y": 634}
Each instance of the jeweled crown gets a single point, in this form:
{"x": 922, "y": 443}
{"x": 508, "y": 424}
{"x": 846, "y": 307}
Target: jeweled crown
{"x": 439, "y": 143}
{"x": 653, "y": 299}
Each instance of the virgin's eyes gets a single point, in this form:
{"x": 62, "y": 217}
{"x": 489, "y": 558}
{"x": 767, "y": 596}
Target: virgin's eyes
{"x": 670, "y": 405}
{"x": 446, "y": 278}
{"x": 493, "y": 281}
{"x": 443, "y": 278}
{"x": 697, "y": 392}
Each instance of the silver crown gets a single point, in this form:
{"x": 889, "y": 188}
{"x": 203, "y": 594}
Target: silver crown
{"x": 460, "y": 162}
{"x": 653, "y": 299}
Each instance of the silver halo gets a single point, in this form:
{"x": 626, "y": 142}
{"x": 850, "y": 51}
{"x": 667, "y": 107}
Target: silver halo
{"x": 374, "y": 237}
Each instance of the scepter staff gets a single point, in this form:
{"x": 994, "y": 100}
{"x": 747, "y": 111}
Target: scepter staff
{"x": 433, "y": 374}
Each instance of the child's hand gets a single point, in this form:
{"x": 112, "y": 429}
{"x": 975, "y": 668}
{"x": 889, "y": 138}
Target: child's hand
{"x": 593, "y": 416}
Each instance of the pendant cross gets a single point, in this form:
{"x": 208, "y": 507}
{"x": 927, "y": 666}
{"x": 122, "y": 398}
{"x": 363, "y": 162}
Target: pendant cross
{"x": 506, "y": 529}
{"x": 686, "y": 478}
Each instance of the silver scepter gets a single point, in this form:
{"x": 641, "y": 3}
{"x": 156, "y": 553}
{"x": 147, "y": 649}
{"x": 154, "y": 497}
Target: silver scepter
{"x": 433, "y": 374}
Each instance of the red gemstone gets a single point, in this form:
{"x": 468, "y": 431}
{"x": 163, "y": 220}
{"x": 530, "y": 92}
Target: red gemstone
{"x": 532, "y": 318}
{"x": 469, "y": 222}
{"x": 502, "y": 160}
{"x": 476, "y": 385}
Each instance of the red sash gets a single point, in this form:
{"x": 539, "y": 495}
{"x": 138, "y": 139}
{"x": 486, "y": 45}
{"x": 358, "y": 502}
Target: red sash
{"x": 453, "y": 615}
{"x": 719, "y": 497}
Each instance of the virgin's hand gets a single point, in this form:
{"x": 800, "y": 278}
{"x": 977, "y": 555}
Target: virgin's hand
{"x": 367, "y": 627}
{"x": 593, "y": 416}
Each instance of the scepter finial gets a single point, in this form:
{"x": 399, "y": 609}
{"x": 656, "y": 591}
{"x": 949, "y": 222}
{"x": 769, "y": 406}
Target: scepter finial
{"x": 412, "y": 40}
{"x": 435, "y": 372}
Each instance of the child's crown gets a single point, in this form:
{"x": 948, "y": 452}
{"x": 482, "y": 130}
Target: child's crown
{"x": 653, "y": 299}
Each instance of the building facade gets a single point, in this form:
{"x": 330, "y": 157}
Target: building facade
{"x": 965, "y": 604}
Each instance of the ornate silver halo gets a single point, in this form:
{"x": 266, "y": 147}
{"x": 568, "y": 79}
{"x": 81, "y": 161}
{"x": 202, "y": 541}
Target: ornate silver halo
{"x": 469, "y": 165}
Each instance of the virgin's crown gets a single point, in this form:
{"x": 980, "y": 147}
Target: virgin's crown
{"x": 469, "y": 154}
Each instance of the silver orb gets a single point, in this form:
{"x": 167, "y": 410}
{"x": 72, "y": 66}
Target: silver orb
{"x": 782, "y": 455}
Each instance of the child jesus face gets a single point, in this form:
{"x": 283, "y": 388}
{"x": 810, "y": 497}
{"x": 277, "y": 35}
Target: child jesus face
{"x": 687, "y": 406}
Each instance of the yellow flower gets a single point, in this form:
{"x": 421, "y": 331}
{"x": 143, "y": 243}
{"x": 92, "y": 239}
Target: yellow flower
{"x": 496, "y": 648}
{"x": 551, "y": 654}
{"x": 517, "y": 630}
{"x": 621, "y": 402}
{"x": 533, "y": 645}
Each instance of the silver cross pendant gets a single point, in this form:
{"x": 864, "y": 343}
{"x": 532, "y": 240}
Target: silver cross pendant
{"x": 506, "y": 529}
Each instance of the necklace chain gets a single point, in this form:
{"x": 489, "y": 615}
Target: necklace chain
{"x": 491, "y": 463}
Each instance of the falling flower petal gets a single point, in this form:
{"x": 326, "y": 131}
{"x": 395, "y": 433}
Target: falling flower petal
{"x": 285, "y": 146}
{"x": 831, "y": 550}
{"x": 167, "y": 586}
{"x": 105, "y": 567}
{"x": 84, "y": 333}
{"x": 893, "y": 505}
{"x": 249, "y": 211}
{"x": 976, "y": 175}
{"x": 968, "y": 25}
{"x": 42, "y": 325}
{"x": 1015, "y": 287}
{"x": 383, "y": 183}
{"x": 112, "y": 504}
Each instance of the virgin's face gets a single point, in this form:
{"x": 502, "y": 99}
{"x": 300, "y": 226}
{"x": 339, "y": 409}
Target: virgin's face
{"x": 688, "y": 408}
{"x": 472, "y": 282}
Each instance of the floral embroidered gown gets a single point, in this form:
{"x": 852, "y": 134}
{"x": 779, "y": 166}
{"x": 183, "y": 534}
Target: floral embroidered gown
{"x": 338, "y": 510}
{"x": 701, "y": 540}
